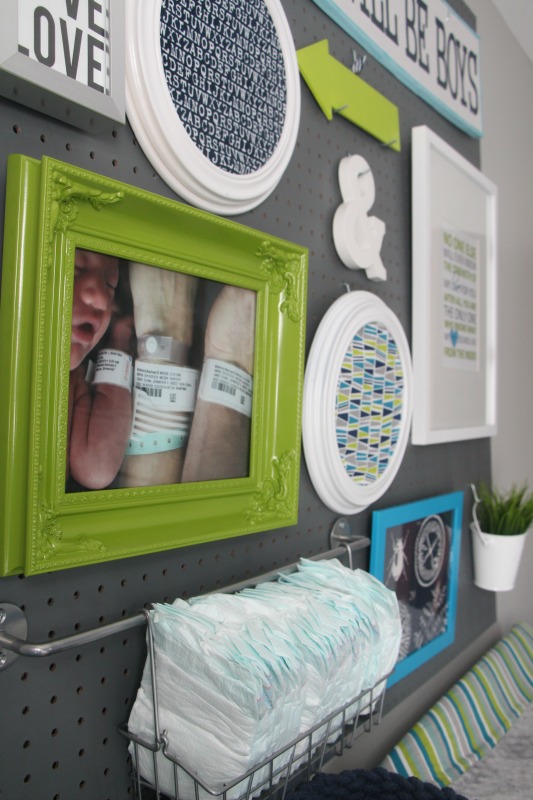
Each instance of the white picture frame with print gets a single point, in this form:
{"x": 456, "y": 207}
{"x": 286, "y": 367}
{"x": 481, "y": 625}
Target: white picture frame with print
{"x": 454, "y": 338}
{"x": 213, "y": 97}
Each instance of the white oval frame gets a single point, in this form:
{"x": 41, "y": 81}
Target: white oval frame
{"x": 163, "y": 138}
{"x": 346, "y": 316}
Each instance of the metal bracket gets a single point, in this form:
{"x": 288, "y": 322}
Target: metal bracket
{"x": 13, "y": 622}
{"x": 341, "y": 535}
{"x": 341, "y": 532}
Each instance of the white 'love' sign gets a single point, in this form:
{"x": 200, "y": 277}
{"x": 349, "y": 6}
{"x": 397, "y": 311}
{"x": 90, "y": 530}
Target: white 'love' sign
{"x": 70, "y": 36}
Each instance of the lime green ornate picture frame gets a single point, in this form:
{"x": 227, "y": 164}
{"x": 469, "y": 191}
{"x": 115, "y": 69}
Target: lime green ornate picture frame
{"x": 186, "y": 309}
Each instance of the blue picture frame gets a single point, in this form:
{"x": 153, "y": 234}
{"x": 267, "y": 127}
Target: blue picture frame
{"x": 415, "y": 552}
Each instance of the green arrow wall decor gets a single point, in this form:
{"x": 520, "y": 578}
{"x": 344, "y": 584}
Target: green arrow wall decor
{"x": 338, "y": 90}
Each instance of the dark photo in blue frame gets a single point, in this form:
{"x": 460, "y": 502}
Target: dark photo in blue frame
{"x": 415, "y": 552}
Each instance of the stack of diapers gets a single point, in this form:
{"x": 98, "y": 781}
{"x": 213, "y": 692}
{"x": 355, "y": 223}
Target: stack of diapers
{"x": 241, "y": 676}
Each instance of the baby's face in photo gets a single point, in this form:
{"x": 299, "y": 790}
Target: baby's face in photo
{"x": 95, "y": 281}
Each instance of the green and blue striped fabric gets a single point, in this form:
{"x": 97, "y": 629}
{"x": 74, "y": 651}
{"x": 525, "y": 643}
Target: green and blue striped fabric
{"x": 472, "y": 716}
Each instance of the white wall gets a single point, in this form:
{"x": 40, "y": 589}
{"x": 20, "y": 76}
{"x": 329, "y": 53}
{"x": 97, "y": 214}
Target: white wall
{"x": 507, "y": 159}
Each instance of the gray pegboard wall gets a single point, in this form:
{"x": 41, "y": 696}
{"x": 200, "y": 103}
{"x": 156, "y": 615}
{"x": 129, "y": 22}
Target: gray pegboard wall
{"x": 59, "y": 738}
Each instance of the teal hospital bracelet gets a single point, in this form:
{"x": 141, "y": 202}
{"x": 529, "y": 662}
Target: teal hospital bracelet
{"x": 157, "y": 442}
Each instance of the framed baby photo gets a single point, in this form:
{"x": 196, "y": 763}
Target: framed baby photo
{"x": 415, "y": 551}
{"x": 147, "y": 347}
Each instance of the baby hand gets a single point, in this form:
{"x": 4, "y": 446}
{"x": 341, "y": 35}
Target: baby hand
{"x": 121, "y": 333}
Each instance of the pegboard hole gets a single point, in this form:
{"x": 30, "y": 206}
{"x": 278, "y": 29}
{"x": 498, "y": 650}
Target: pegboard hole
{"x": 26, "y": 744}
{"x": 17, "y": 129}
{"x": 55, "y": 765}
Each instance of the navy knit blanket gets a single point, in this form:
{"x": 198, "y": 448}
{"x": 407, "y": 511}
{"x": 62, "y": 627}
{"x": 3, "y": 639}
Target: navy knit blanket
{"x": 374, "y": 784}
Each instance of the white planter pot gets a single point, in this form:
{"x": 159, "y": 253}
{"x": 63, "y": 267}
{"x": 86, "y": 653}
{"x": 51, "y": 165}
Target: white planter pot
{"x": 496, "y": 559}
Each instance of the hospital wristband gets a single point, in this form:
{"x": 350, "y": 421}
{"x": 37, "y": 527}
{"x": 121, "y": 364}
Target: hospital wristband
{"x": 113, "y": 367}
{"x": 156, "y": 442}
{"x": 162, "y": 348}
{"x": 226, "y": 384}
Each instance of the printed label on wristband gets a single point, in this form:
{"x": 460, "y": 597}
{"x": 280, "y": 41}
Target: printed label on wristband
{"x": 167, "y": 385}
{"x": 227, "y": 385}
{"x": 113, "y": 367}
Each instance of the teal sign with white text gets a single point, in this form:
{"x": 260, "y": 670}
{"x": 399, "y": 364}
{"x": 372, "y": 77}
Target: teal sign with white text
{"x": 426, "y": 45}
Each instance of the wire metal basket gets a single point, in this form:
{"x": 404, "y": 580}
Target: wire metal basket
{"x": 271, "y": 778}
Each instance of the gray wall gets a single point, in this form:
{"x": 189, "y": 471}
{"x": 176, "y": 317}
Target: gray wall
{"x": 506, "y": 158}
{"x": 59, "y": 735}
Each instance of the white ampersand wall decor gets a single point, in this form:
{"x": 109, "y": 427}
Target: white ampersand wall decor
{"x": 358, "y": 237}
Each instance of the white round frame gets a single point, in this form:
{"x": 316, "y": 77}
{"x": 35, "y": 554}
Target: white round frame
{"x": 346, "y": 317}
{"x": 163, "y": 138}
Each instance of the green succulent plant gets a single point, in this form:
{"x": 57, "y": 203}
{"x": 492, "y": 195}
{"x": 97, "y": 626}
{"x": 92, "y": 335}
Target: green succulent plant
{"x": 505, "y": 513}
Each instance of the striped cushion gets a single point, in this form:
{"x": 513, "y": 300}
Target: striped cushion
{"x": 472, "y": 716}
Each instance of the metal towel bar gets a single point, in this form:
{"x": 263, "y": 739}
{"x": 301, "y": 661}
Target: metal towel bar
{"x": 13, "y": 625}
